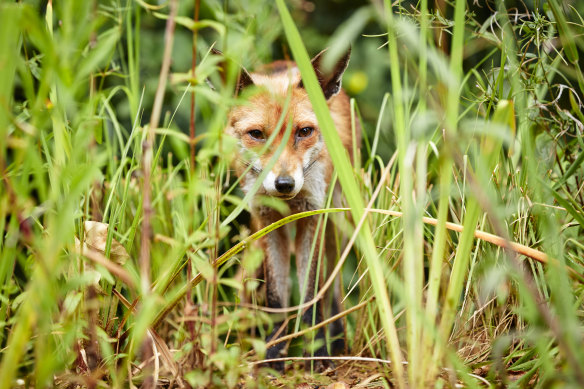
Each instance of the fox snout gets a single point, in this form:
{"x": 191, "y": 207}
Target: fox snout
{"x": 284, "y": 184}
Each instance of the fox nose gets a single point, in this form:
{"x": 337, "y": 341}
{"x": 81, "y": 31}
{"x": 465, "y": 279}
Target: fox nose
{"x": 284, "y": 184}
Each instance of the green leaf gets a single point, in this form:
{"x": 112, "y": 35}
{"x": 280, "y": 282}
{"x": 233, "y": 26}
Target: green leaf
{"x": 203, "y": 267}
{"x": 98, "y": 55}
{"x": 566, "y": 36}
{"x": 231, "y": 283}
{"x": 192, "y": 25}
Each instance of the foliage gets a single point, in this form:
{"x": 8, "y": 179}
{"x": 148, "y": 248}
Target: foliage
{"x": 126, "y": 257}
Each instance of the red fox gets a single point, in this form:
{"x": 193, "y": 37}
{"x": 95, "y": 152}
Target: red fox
{"x": 300, "y": 176}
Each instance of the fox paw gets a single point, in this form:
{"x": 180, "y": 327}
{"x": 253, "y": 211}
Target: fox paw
{"x": 277, "y": 366}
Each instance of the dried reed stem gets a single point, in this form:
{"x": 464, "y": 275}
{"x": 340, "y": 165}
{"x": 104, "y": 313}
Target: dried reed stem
{"x": 147, "y": 153}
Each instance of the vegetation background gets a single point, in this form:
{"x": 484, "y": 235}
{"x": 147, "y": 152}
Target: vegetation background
{"x": 124, "y": 236}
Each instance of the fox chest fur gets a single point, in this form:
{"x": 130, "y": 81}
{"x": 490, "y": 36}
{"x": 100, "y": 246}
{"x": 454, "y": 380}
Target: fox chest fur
{"x": 281, "y": 145}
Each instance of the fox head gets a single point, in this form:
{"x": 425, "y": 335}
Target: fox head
{"x": 303, "y": 168}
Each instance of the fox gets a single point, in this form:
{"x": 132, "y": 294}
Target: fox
{"x": 300, "y": 177}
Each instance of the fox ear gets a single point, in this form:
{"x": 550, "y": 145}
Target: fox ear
{"x": 330, "y": 81}
{"x": 243, "y": 77}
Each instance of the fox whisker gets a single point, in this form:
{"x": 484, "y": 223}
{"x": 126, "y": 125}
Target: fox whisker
{"x": 307, "y": 169}
{"x": 253, "y": 169}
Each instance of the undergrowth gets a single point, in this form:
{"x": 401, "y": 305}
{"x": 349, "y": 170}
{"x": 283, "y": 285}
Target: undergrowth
{"x": 126, "y": 255}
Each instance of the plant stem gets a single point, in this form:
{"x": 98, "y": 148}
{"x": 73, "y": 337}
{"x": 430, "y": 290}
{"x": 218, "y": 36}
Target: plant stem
{"x": 147, "y": 153}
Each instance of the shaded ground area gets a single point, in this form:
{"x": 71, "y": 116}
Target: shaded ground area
{"x": 349, "y": 374}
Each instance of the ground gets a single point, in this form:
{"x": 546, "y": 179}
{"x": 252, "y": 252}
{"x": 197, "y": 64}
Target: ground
{"x": 349, "y": 374}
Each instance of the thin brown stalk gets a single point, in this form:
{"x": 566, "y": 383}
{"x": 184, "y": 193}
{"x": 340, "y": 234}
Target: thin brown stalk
{"x": 112, "y": 267}
{"x": 147, "y": 150}
{"x": 487, "y": 237}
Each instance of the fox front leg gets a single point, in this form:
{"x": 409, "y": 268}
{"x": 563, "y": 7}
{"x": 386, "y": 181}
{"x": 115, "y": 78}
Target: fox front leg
{"x": 276, "y": 247}
{"x": 307, "y": 265}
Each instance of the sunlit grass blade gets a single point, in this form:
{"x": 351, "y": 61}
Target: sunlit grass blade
{"x": 344, "y": 170}
{"x": 445, "y": 178}
{"x": 413, "y": 260}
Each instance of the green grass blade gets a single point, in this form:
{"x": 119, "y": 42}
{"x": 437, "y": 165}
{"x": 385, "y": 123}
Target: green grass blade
{"x": 342, "y": 165}
{"x": 445, "y": 172}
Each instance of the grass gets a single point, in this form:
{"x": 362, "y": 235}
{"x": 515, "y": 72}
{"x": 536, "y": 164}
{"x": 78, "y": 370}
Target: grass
{"x": 126, "y": 254}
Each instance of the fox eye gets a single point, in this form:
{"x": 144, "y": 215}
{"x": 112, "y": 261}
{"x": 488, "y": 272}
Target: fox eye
{"x": 304, "y": 132}
{"x": 256, "y": 134}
